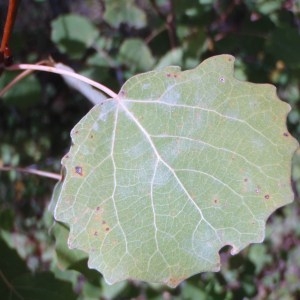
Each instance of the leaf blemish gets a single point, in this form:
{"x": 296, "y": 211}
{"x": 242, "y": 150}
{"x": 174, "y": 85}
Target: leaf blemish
{"x": 99, "y": 210}
{"x": 216, "y": 201}
{"x": 222, "y": 79}
{"x": 267, "y": 197}
{"x": 170, "y": 75}
{"x": 78, "y": 170}
{"x": 286, "y": 134}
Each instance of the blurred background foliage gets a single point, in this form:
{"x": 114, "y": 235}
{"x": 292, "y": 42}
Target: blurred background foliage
{"x": 109, "y": 41}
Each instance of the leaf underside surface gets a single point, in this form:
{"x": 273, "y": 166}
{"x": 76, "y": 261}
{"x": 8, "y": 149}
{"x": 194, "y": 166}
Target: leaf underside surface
{"x": 181, "y": 164}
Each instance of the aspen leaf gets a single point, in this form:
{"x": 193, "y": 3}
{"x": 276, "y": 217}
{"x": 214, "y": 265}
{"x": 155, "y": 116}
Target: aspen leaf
{"x": 179, "y": 165}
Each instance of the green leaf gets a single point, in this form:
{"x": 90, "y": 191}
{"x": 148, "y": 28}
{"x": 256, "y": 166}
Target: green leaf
{"x": 173, "y": 57}
{"x": 16, "y": 281}
{"x": 181, "y": 164}
{"x": 284, "y": 43}
{"x": 65, "y": 258}
{"x": 267, "y": 7}
{"x": 191, "y": 291}
{"x": 73, "y": 34}
{"x": 6, "y": 217}
{"x": 260, "y": 257}
{"x": 136, "y": 55}
{"x": 124, "y": 11}
{"x": 111, "y": 292}
{"x": 26, "y": 95}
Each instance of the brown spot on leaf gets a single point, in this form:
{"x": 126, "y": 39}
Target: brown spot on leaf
{"x": 172, "y": 75}
{"x": 99, "y": 210}
{"x": 103, "y": 222}
{"x": 267, "y": 197}
{"x": 173, "y": 282}
{"x": 78, "y": 170}
{"x": 286, "y": 134}
{"x": 95, "y": 233}
{"x": 245, "y": 179}
{"x": 91, "y": 136}
{"x": 222, "y": 79}
{"x": 107, "y": 229}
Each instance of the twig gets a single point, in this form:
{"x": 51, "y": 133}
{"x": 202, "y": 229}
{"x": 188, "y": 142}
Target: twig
{"x": 32, "y": 171}
{"x": 14, "y": 82}
{"x": 93, "y": 83}
{"x": 10, "y": 286}
{"x": 22, "y": 76}
{"x": 169, "y": 22}
{"x": 155, "y": 33}
{"x": 9, "y": 23}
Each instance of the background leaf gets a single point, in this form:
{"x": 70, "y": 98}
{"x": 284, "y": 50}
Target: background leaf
{"x": 278, "y": 42}
{"x": 73, "y": 34}
{"x": 17, "y": 282}
{"x": 180, "y": 165}
{"x": 29, "y": 88}
{"x": 135, "y": 53}
{"x": 124, "y": 11}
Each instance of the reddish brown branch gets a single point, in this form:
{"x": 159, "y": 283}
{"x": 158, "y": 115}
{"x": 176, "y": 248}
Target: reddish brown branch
{"x": 9, "y": 23}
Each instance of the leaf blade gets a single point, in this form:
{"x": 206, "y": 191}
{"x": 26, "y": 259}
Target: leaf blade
{"x": 175, "y": 169}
